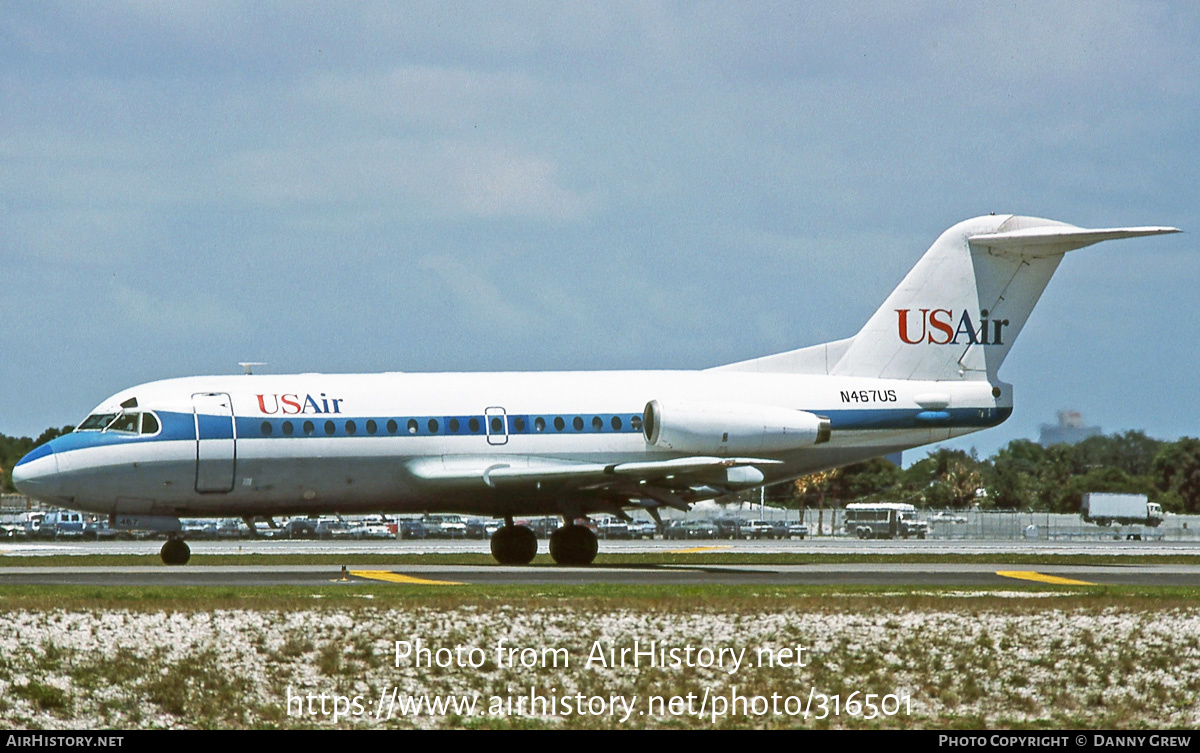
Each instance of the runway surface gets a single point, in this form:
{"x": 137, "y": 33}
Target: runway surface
{"x": 881, "y": 573}
{"x": 1008, "y": 576}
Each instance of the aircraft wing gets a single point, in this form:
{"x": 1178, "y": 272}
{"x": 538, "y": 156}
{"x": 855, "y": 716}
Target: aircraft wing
{"x": 672, "y": 482}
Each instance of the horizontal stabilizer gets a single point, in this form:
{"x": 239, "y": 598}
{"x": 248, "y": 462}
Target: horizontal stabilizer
{"x": 1056, "y": 239}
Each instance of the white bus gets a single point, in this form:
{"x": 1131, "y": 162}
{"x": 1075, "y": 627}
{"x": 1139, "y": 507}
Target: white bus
{"x": 884, "y": 520}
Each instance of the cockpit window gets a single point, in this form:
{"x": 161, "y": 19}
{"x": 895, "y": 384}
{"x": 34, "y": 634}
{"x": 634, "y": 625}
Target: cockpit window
{"x": 96, "y": 422}
{"x": 149, "y": 424}
{"x": 125, "y": 422}
{"x": 133, "y": 422}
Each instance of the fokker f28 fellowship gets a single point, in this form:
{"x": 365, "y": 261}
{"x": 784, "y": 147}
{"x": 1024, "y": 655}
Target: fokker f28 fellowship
{"x": 923, "y": 369}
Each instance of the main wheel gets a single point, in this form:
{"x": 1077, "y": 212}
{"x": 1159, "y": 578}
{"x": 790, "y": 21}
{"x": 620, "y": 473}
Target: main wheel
{"x": 175, "y": 552}
{"x": 573, "y": 545}
{"x": 514, "y": 545}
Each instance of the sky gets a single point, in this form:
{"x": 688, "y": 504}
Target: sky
{"x": 541, "y": 186}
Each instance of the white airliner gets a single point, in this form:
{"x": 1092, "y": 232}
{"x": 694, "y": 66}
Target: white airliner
{"x": 922, "y": 369}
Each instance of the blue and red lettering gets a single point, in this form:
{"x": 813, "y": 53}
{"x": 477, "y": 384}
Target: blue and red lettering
{"x": 291, "y": 404}
{"x": 943, "y": 327}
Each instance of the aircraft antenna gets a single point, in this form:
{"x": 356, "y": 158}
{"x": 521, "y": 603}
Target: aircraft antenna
{"x": 248, "y": 366}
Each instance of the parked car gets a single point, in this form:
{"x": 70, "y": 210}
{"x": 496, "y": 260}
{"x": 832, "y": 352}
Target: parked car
{"x": 62, "y": 524}
{"x": 947, "y": 517}
{"x": 612, "y": 528}
{"x": 299, "y": 528}
{"x": 14, "y": 526}
{"x": 330, "y": 528}
{"x": 482, "y": 528}
{"x": 691, "y": 529}
{"x": 542, "y": 527}
{"x": 642, "y": 529}
{"x": 728, "y": 528}
{"x": 371, "y": 530}
{"x": 97, "y": 529}
{"x": 762, "y": 529}
{"x": 199, "y": 529}
{"x": 407, "y": 528}
{"x": 797, "y": 530}
{"x": 232, "y": 528}
{"x": 444, "y": 526}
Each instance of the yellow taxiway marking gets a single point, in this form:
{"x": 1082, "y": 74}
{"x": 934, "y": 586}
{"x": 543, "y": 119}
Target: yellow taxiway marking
{"x": 1042, "y": 578}
{"x": 398, "y": 578}
{"x": 698, "y": 549}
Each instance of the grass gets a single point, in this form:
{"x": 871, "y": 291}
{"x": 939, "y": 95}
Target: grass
{"x": 751, "y": 599}
{"x": 602, "y": 560}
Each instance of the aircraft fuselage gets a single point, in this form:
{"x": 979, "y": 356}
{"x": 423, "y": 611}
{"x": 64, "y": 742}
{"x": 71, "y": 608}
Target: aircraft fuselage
{"x": 314, "y": 443}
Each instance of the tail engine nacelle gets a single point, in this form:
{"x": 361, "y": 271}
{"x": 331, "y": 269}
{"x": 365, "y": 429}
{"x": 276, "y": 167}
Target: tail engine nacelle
{"x": 731, "y": 428}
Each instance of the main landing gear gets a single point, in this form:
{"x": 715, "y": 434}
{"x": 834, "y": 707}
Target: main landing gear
{"x": 573, "y": 545}
{"x": 514, "y": 545}
{"x": 175, "y": 552}
{"x": 569, "y": 545}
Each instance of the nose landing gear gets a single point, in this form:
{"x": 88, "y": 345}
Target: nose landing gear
{"x": 175, "y": 552}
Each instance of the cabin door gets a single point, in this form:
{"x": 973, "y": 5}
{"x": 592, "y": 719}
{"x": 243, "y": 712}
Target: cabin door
{"x": 216, "y": 441}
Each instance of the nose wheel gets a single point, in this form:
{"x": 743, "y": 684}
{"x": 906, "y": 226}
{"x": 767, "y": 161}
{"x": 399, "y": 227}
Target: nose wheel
{"x": 175, "y": 552}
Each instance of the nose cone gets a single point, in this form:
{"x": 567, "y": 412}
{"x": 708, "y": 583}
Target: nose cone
{"x": 36, "y": 474}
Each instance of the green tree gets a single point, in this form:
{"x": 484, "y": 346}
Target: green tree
{"x": 1176, "y": 472}
{"x": 815, "y": 486}
{"x": 1132, "y": 452}
{"x": 1012, "y": 484}
{"x": 875, "y": 480}
{"x": 945, "y": 478}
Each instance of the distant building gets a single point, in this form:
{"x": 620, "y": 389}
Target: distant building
{"x": 1068, "y": 430}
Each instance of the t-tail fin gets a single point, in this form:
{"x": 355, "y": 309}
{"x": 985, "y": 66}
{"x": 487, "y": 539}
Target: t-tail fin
{"x": 957, "y": 313}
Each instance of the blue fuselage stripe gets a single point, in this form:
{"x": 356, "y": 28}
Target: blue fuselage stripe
{"x": 182, "y": 426}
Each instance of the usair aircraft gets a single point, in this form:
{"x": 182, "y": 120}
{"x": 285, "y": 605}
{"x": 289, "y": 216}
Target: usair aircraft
{"x": 923, "y": 369}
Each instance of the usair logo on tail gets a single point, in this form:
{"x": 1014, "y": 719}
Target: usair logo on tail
{"x": 938, "y": 327}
